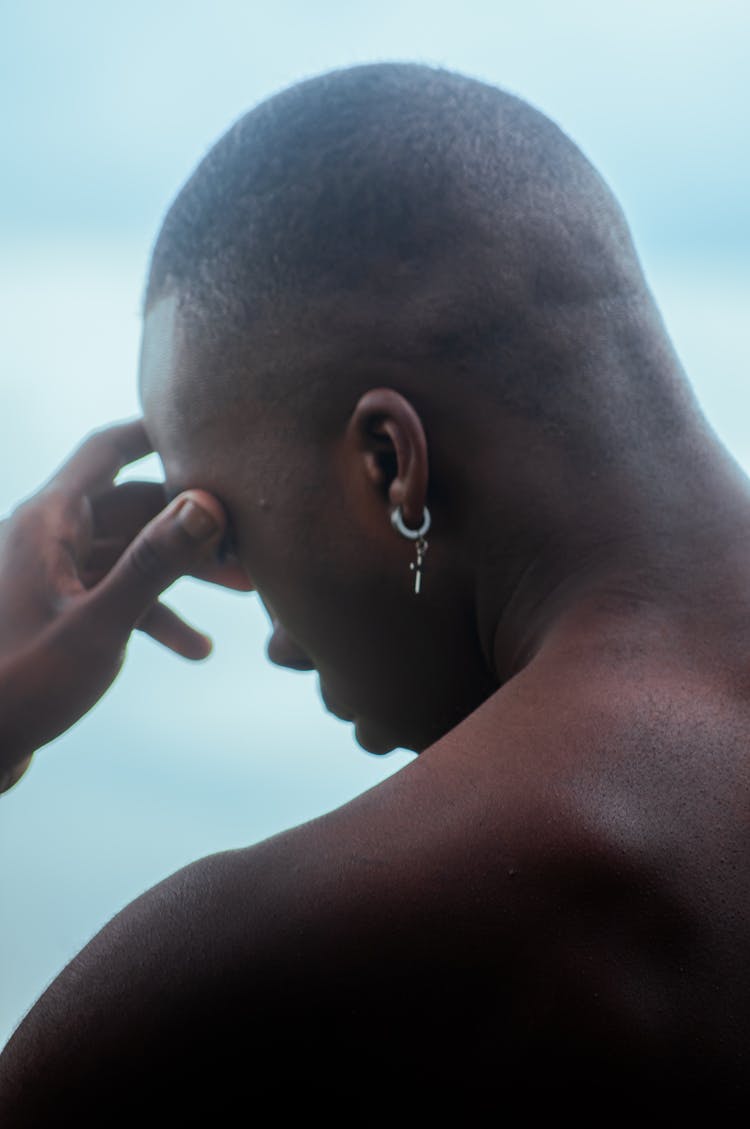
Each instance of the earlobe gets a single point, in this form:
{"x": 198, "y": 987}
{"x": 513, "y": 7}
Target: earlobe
{"x": 394, "y": 447}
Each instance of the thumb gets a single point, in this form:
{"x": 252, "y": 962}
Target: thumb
{"x": 170, "y": 545}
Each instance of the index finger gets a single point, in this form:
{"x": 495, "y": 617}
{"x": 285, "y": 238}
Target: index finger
{"x": 102, "y": 456}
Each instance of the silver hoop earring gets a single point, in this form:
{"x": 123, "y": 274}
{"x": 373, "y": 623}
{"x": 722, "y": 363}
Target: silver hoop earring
{"x": 417, "y": 535}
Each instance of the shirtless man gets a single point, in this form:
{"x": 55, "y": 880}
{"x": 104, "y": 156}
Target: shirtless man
{"x": 397, "y": 290}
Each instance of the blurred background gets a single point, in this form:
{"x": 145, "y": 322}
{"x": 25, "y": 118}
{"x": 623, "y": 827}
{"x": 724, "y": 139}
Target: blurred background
{"x": 105, "y": 110}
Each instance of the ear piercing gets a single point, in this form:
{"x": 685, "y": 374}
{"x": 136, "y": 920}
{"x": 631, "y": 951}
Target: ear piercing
{"x": 397, "y": 521}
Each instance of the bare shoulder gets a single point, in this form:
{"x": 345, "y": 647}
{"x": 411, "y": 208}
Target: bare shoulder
{"x": 525, "y": 883}
{"x": 383, "y": 927}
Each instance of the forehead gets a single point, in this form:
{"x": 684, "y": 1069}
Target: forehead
{"x": 162, "y": 353}
{"x": 188, "y": 424}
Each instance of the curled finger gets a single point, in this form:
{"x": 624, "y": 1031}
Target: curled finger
{"x": 167, "y": 628}
{"x": 101, "y": 456}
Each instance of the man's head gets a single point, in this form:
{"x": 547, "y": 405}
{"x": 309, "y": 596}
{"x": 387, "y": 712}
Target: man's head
{"x": 388, "y": 286}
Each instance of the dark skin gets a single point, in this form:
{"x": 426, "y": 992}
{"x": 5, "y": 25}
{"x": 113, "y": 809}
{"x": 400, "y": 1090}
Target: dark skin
{"x": 549, "y": 907}
{"x": 73, "y": 594}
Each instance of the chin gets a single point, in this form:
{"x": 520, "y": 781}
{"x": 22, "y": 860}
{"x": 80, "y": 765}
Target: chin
{"x": 372, "y": 740}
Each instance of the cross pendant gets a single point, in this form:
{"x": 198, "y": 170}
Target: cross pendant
{"x": 416, "y": 567}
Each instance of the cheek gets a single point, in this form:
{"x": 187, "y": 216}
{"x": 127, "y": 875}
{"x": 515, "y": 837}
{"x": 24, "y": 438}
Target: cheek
{"x": 385, "y": 659}
{"x": 409, "y": 666}
{"x": 339, "y": 609}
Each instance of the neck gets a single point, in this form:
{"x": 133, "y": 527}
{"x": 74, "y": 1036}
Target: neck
{"x": 674, "y": 545}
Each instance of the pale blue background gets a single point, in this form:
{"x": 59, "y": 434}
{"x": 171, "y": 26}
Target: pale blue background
{"x": 105, "y": 109}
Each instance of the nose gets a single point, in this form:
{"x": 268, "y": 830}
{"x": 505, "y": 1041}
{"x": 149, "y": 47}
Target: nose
{"x": 283, "y": 651}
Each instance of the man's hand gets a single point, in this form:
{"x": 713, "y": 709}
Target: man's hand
{"x": 81, "y": 564}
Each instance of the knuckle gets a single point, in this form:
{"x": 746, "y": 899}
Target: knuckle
{"x": 97, "y": 439}
{"x": 56, "y": 500}
{"x": 27, "y": 520}
{"x": 46, "y": 515}
{"x": 98, "y": 447}
{"x": 92, "y": 443}
{"x": 19, "y": 518}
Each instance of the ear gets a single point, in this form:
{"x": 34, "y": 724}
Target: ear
{"x": 391, "y": 439}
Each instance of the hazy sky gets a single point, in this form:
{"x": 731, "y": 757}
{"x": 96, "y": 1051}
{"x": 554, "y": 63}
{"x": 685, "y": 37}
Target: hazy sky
{"x": 108, "y": 106}
{"x": 106, "y": 109}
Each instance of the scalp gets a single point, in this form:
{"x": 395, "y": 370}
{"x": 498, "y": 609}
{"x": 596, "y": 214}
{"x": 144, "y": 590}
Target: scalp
{"x": 372, "y": 180}
{"x": 409, "y": 216}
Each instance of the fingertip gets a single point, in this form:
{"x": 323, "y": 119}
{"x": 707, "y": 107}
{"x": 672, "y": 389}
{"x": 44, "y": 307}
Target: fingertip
{"x": 198, "y": 649}
{"x": 199, "y": 523}
{"x": 200, "y": 514}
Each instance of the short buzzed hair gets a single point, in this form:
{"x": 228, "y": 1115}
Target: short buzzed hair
{"x": 446, "y": 221}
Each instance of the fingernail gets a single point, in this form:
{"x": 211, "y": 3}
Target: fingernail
{"x": 197, "y": 522}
